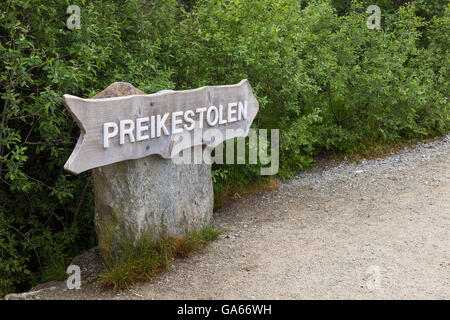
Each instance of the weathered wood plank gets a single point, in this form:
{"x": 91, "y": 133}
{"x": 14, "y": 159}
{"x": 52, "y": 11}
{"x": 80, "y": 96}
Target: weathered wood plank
{"x": 149, "y": 124}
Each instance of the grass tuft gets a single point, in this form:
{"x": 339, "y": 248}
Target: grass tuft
{"x": 148, "y": 257}
{"x": 54, "y": 269}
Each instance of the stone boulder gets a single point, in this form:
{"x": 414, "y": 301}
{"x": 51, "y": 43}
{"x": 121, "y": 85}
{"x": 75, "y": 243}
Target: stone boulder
{"x": 151, "y": 196}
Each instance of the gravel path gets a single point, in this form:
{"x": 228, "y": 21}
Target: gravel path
{"x": 378, "y": 229}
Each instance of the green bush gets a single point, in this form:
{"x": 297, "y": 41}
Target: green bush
{"x": 321, "y": 76}
{"x": 327, "y": 81}
{"x": 46, "y": 216}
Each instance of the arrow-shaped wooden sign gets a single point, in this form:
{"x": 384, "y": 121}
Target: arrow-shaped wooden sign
{"x": 135, "y": 126}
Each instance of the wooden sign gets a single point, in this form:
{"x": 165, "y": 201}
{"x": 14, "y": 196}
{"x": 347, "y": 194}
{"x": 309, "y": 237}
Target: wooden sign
{"x": 135, "y": 126}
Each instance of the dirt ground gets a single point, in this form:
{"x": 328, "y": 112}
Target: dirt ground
{"x": 379, "y": 229}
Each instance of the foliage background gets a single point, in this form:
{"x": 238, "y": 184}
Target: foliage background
{"x": 321, "y": 76}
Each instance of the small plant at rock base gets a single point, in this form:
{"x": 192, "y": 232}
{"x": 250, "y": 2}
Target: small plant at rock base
{"x": 147, "y": 257}
{"x": 55, "y": 270}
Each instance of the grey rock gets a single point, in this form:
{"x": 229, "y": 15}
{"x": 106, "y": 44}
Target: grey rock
{"x": 91, "y": 264}
{"x": 31, "y": 295}
{"x": 148, "y": 197}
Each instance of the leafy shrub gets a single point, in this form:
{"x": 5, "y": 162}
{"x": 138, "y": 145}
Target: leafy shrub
{"x": 46, "y": 216}
{"x": 327, "y": 81}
